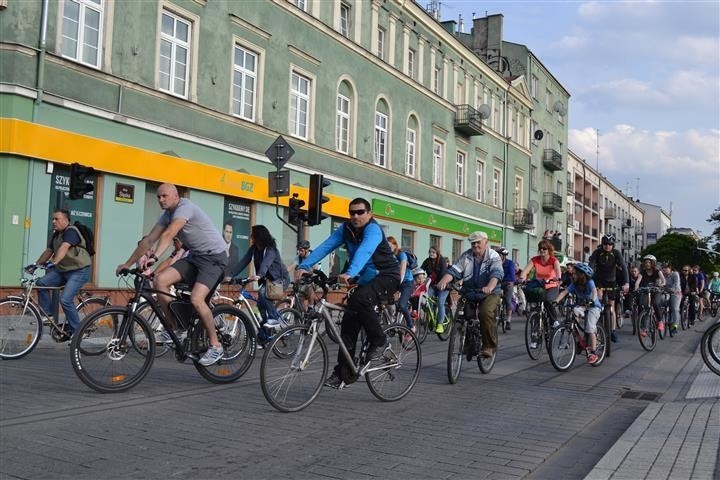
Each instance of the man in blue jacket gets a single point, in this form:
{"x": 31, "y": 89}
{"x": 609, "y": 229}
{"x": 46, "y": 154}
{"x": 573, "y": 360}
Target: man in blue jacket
{"x": 371, "y": 260}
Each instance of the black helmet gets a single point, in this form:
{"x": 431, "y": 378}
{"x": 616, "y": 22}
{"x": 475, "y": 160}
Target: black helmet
{"x": 304, "y": 244}
{"x": 608, "y": 239}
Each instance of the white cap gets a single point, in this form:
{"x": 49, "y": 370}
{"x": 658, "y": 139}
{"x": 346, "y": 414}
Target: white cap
{"x": 475, "y": 236}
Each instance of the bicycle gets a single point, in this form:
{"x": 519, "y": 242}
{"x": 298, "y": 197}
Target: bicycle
{"x": 710, "y": 348}
{"x": 292, "y": 382}
{"x": 114, "y": 348}
{"x": 647, "y": 328}
{"x": 500, "y": 316}
{"x": 427, "y": 315}
{"x": 607, "y": 311}
{"x": 714, "y": 304}
{"x": 570, "y": 339}
{"x": 685, "y": 320}
{"x": 22, "y": 319}
{"x": 537, "y": 328}
{"x": 466, "y": 340}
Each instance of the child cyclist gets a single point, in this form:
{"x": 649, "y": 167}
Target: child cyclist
{"x": 583, "y": 287}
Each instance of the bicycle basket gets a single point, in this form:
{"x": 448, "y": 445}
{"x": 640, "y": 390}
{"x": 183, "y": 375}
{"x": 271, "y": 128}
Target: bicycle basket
{"x": 534, "y": 294}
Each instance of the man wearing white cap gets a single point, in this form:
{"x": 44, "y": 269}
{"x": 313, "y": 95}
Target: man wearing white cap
{"x": 480, "y": 269}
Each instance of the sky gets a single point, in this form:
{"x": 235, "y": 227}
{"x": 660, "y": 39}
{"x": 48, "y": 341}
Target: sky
{"x": 646, "y": 76}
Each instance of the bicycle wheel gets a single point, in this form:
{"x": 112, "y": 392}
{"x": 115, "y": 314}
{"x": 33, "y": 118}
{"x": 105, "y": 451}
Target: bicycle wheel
{"x": 603, "y": 340}
{"x": 237, "y": 336}
{"x": 292, "y": 383}
{"x": 562, "y": 349}
{"x": 485, "y": 364}
{"x": 456, "y": 348}
{"x": 91, "y": 305}
{"x": 20, "y": 328}
{"x": 710, "y": 348}
{"x": 533, "y": 336}
{"x": 607, "y": 323}
{"x": 105, "y": 362}
{"x": 289, "y": 317}
{"x": 500, "y": 316}
{"x": 714, "y": 308}
{"x": 395, "y": 374}
{"x": 447, "y": 325}
{"x": 421, "y": 322}
{"x": 647, "y": 332}
{"x": 146, "y": 312}
{"x": 684, "y": 316}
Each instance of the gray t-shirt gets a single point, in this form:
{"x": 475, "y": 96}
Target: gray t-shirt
{"x": 199, "y": 235}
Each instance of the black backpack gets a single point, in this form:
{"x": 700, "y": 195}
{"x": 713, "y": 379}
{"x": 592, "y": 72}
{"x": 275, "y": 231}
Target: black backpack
{"x": 412, "y": 262}
{"x": 88, "y": 236}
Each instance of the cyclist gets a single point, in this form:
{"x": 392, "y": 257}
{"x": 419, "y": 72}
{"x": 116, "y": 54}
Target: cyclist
{"x": 547, "y": 269}
{"x": 508, "y": 284}
{"x": 67, "y": 262}
{"x": 435, "y": 266}
{"x": 688, "y": 283}
{"x": 583, "y": 287}
{"x": 701, "y": 288}
{"x": 480, "y": 269}
{"x": 303, "y": 250}
{"x": 606, "y": 260}
{"x": 714, "y": 286}
{"x": 672, "y": 286}
{"x": 406, "y": 282}
{"x": 372, "y": 261}
{"x": 650, "y": 276}
{"x": 202, "y": 269}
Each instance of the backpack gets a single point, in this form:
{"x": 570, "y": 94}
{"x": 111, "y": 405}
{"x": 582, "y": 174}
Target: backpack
{"x": 88, "y": 236}
{"x": 412, "y": 262}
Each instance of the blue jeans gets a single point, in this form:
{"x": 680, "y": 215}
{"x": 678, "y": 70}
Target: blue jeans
{"x": 266, "y": 306}
{"x": 441, "y": 298}
{"x": 73, "y": 282}
{"x": 406, "y": 289}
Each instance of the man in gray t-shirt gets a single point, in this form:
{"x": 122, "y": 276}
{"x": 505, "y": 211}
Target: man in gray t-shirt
{"x": 205, "y": 265}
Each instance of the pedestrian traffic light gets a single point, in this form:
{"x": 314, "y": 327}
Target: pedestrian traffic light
{"x": 80, "y": 176}
{"x": 295, "y": 214}
{"x": 316, "y": 200}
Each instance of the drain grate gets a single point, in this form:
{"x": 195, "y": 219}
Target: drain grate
{"x": 637, "y": 395}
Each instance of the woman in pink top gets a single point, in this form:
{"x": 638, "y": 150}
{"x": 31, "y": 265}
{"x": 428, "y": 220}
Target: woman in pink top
{"x": 547, "y": 269}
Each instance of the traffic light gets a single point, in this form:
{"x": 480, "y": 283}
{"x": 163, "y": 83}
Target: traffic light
{"x": 295, "y": 215}
{"x": 316, "y": 200}
{"x": 79, "y": 176}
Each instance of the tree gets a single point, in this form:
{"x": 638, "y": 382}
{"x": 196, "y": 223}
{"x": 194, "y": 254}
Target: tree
{"x": 680, "y": 249}
{"x": 715, "y": 235}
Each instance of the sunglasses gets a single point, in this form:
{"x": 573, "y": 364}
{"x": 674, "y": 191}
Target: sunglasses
{"x": 357, "y": 212}
{"x": 477, "y": 242}
{"x": 542, "y": 249}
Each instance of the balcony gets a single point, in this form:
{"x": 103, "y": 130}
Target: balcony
{"x": 468, "y": 121}
{"x": 552, "y": 202}
{"x": 523, "y": 219}
{"x": 552, "y": 160}
{"x": 610, "y": 213}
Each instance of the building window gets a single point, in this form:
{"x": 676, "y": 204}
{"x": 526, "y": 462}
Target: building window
{"x": 436, "y": 80}
{"x": 437, "y": 165}
{"x": 411, "y": 63}
{"x": 480, "y": 181}
{"x": 518, "y": 194}
{"x": 457, "y": 249}
{"x": 381, "y": 137}
{"x": 533, "y": 86}
{"x": 411, "y": 145}
{"x": 299, "y": 105}
{"x": 534, "y": 178}
{"x": 435, "y": 241}
{"x": 548, "y": 100}
{"x": 460, "y": 173}
{"x": 407, "y": 239}
{"x": 345, "y": 20}
{"x": 496, "y": 193}
{"x": 175, "y": 36}
{"x": 496, "y": 113}
{"x": 342, "y": 124}
{"x": 533, "y": 129}
{"x": 244, "y": 83}
{"x": 82, "y": 31}
{"x": 301, "y": 4}
{"x": 380, "y": 48}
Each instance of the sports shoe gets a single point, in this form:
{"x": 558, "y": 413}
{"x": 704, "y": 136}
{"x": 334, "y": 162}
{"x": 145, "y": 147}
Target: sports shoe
{"x": 592, "y": 358}
{"x": 212, "y": 356}
{"x": 614, "y": 337}
{"x": 376, "y": 352}
{"x": 507, "y": 325}
{"x": 556, "y": 324}
{"x": 661, "y": 326}
{"x": 164, "y": 337}
{"x": 272, "y": 323}
{"x": 533, "y": 345}
{"x": 674, "y": 327}
{"x": 439, "y": 328}
{"x": 333, "y": 381}
{"x": 47, "y": 320}
{"x": 487, "y": 352}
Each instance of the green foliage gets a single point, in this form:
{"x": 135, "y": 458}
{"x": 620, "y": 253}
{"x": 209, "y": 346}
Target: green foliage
{"x": 682, "y": 250}
{"x": 715, "y": 220}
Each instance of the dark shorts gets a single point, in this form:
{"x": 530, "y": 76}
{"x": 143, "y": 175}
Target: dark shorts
{"x": 205, "y": 269}
{"x": 607, "y": 290}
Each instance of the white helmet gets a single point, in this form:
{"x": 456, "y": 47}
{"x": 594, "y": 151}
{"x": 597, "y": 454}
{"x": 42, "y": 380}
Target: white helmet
{"x": 650, "y": 257}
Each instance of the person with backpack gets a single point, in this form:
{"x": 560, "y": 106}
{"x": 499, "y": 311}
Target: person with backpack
{"x": 606, "y": 260}
{"x": 406, "y": 281}
{"x": 67, "y": 262}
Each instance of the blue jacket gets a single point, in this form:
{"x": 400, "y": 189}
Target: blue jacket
{"x": 369, "y": 253}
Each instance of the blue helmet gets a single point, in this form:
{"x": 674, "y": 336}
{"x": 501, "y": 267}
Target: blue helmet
{"x": 585, "y": 268}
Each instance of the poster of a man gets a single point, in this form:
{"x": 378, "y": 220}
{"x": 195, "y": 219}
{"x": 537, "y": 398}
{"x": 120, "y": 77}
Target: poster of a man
{"x": 231, "y": 248}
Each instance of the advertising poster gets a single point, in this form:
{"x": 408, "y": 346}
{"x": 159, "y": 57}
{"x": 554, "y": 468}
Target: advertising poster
{"x": 236, "y": 229}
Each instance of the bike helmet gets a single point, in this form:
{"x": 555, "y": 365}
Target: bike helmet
{"x": 503, "y": 251}
{"x": 716, "y": 274}
{"x": 650, "y": 257}
{"x": 608, "y": 239}
{"x": 584, "y": 268}
{"x": 304, "y": 244}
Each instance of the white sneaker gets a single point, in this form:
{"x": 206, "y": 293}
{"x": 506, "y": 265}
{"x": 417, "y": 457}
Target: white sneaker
{"x": 272, "y": 323}
{"x": 212, "y": 356}
{"x": 164, "y": 336}
{"x": 533, "y": 345}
